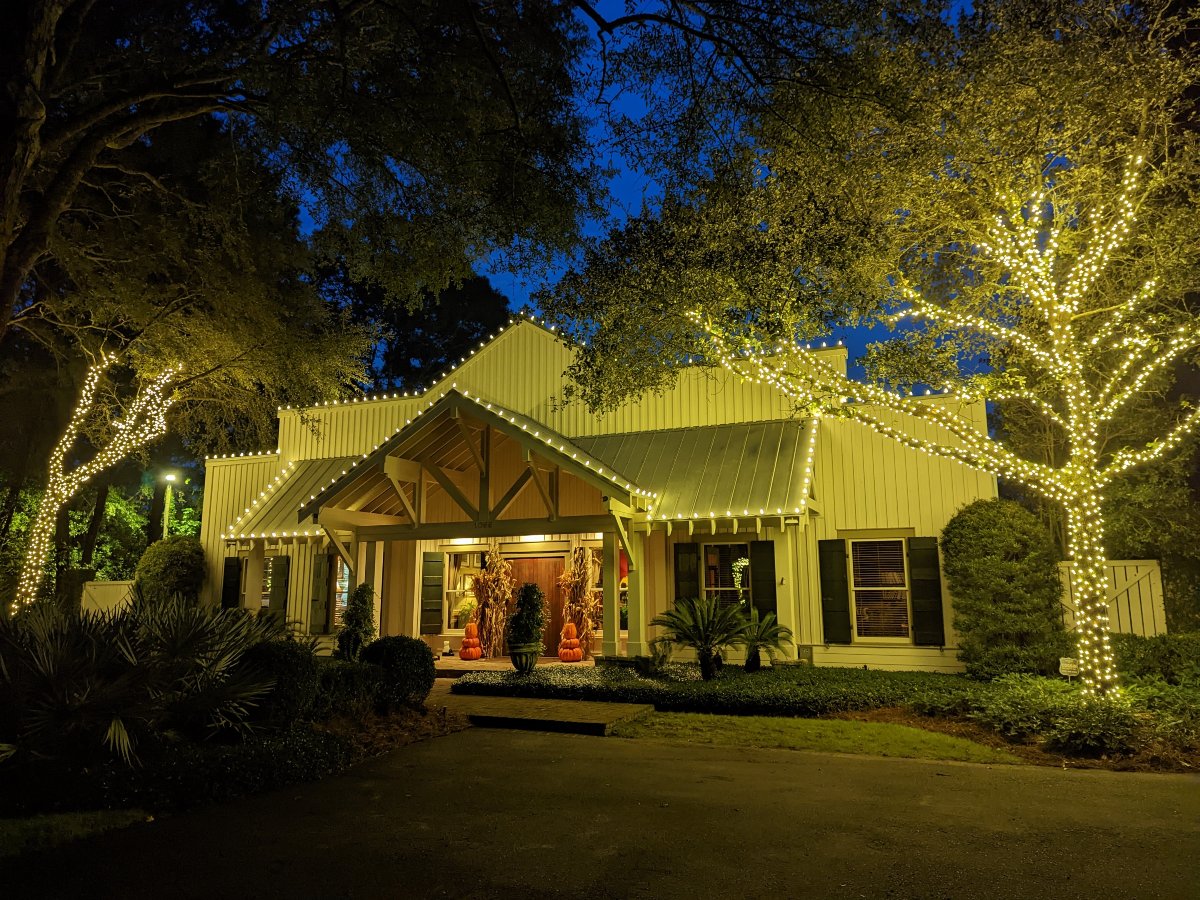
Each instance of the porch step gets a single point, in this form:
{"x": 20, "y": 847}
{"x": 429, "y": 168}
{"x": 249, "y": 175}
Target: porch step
{"x": 569, "y": 716}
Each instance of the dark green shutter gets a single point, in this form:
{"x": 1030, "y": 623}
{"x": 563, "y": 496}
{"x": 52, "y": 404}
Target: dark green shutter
{"x": 280, "y": 570}
{"x": 835, "y": 592}
{"x": 926, "y": 578}
{"x": 762, "y": 577}
{"x": 687, "y": 571}
{"x": 318, "y": 610}
{"x": 432, "y": 565}
{"x": 231, "y": 583}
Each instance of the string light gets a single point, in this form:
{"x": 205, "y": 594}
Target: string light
{"x": 144, "y": 421}
{"x": 1060, "y": 340}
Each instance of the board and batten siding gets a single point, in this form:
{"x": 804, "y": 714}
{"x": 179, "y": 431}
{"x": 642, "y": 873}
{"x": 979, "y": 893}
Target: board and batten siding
{"x": 864, "y": 480}
{"x": 229, "y": 486}
{"x": 522, "y": 370}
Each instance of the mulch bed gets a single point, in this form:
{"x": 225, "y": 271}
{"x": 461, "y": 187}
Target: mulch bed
{"x": 1149, "y": 760}
{"x": 380, "y": 734}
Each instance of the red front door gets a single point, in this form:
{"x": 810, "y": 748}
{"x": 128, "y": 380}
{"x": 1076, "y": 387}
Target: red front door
{"x": 544, "y": 571}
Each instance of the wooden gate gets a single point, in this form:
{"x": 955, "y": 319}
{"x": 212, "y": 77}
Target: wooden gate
{"x": 1135, "y": 597}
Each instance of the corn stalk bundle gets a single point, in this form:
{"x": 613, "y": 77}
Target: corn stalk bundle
{"x": 581, "y": 601}
{"x": 493, "y": 596}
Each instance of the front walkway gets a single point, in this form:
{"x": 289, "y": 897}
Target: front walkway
{"x": 574, "y": 716}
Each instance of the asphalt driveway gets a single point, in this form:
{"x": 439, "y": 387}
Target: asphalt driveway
{"x": 517, "y": 814}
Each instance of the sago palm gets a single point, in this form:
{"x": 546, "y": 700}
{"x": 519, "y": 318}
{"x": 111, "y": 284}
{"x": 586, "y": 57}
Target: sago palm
{"x": 764, "y": 634}
{"x": 706, "y": 626}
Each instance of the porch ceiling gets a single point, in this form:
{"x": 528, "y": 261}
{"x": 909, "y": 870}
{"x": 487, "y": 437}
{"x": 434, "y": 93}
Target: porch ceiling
{"x": 445, "y": 435}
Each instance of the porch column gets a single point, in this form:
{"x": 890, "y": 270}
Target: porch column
{"x": 636, "y": 645}
{"x": 253, "y": 585}
{"x": 612, "y": 593}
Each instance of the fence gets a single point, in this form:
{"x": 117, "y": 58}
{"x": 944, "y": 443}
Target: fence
{"x": 1135, "y": 597}
{"x": 100, "y": 596}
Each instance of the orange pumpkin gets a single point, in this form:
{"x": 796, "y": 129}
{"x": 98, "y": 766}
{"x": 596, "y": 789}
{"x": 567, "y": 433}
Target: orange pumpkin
{"x": 472, "y": 631}
{"x": 470, "y": 653}
{"x": 569, "y": 631}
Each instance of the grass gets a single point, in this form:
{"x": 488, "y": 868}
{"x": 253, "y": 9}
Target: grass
{"x": 25, "y": 835}
{"x": 826, "y": 735}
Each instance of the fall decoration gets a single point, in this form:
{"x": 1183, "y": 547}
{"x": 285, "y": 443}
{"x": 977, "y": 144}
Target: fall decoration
{"x": 568, "y": 648}
{"x": 470, "y": 648}
{"x": 581, "y": 601}
{"x": 493, "y": 589}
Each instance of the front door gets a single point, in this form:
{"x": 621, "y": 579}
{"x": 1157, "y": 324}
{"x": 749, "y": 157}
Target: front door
{"x": 544, "y": 571}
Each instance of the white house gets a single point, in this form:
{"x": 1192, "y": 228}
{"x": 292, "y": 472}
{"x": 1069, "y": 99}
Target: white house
{"x": 838, "y": 523}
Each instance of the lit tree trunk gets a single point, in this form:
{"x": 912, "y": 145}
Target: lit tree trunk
{"x": 1089, "y": 591}
{"x": 144, "y": 421}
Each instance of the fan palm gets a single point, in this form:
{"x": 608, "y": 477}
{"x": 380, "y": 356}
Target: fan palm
{"x": 706, "y": 626}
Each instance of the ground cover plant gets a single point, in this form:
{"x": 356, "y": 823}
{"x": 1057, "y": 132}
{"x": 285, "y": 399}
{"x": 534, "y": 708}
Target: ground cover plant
{"x": 1153, "y": 723}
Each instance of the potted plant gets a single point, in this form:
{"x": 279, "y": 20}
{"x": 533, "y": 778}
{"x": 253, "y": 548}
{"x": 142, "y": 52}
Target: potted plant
{"x": 525, "y": 626}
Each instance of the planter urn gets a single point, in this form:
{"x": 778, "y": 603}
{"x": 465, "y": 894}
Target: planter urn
{"x": 525, "y": 656}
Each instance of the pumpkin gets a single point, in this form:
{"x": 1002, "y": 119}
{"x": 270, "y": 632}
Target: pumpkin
{"x": 569, "y": 631}
{"x": 470, "y": 653}
{"x": 472, "y": 631}
{"x": 568, "y": 648}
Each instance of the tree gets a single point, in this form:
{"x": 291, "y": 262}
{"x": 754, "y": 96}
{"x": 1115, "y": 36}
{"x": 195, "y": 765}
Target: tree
{"x": 417, "y": 133}
{"x": 1021, "y": 219}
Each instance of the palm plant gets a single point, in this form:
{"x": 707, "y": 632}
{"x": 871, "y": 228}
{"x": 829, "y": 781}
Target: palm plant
{"x": 706, "y": 626}
{"x": 764, "y": 634}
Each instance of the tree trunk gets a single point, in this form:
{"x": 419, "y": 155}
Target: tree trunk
{"x": 38, "y": 547}
{"x": 1089, "y": 587}
{"x": 87, "y": 549}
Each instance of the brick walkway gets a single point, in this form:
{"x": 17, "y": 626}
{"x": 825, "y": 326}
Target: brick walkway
{"x": 575, "y": 716}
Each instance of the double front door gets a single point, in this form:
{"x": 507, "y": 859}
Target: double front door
{"x": 544, "y": 571}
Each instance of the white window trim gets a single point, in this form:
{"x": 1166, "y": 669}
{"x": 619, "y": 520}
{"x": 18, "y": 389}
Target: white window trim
{"x": 854, "y": 638}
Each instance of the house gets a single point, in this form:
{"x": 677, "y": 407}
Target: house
{"x": 839, "y": 525}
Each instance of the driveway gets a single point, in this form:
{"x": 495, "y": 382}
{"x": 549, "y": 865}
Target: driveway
{"x": 518, "y": 814}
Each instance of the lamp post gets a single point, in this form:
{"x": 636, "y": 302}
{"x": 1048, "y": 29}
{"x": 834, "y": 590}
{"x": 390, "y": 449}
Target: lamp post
{"x": 169, "y": 478}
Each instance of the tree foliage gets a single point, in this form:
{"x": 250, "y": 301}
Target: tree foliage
{"x": 171, "y": 567}
{"x": 1002, "y": 571}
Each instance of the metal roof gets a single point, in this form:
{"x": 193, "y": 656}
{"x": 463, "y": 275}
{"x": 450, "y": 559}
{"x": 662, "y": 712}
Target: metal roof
{"x": 273, "y": 512}
{"x": 723, "y": 471}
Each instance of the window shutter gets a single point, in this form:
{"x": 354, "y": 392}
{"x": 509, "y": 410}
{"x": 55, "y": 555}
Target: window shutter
{"x": 280, "y": 569}
{"x": 926, "y": 577}
{"x": 231, "y": 583}
{"x": 432, "y": 568}
{"x": 762, "y": 577}
{"x": 318, "y": 612}
{"x": 687, "y": 571}
{"x": 835, "y": 592}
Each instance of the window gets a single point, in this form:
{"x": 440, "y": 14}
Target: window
{"x": 461, "y": 569}
{"x": 725, "y": 567}
{"x": 341, "y": 590}
{"x": 880, "y": 588}
{"x": 268, "y": 573}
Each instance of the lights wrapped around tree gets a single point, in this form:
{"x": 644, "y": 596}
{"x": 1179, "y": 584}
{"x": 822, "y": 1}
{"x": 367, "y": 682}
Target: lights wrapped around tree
{"x": 143, "y": 422}
{"x": 1081, "y": 358}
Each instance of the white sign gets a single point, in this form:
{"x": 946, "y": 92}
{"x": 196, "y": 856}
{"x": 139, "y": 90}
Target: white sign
{"x": 1068, "y": 666}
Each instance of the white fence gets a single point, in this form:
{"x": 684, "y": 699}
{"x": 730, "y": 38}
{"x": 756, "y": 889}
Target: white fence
{"x": 101, "y": 596}
{"x": 1135, "y": 597}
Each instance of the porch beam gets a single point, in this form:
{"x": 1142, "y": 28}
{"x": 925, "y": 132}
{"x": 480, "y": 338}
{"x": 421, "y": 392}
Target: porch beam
{"x": 452, "y": 489}
{"x": 346, "y": 552}
{"x": 391, "y": 468}
{"x": 623, "y": 537}
{"x": 551, "y": 511}
{"x": 349, "y": 518}
{"x": 469, "y": 440}
{"x": 483, "y": 531}
{"x": 511, "y": 494}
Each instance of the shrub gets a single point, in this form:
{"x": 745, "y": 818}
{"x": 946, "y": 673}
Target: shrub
{"x": 1002, "y": 571}
{"x": 350, "y": 689}
{"x": 170, "y": 567}
{"x": 292, "y": 666}
{"x": 765, "y": 634}
{"x": 1098, "y": 726}
{"x": 706, "y": 626}
{"x": 1023, "y": 706}
{"x": 1173, "y": 657}
{"x": 528, "y": 620}
{"x": 90, "y": 686}
{"x": 358, "y": 622}
{"x": 408, "y": 670}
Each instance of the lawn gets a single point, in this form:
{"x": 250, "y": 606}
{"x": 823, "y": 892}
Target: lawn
{"x": 25, "y": 835}
{"x": 825, "y": 735}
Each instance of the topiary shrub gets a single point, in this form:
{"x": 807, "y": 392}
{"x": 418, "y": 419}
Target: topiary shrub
{"x": 408, "y": 670}
{"x": 292, "y": 665}
{"x": 352, "y": 690}
{"x": 1002, "y": 571}
{"x": 358, "y": 623}
{"x": 170, "y": 567}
